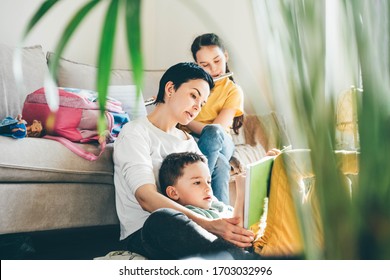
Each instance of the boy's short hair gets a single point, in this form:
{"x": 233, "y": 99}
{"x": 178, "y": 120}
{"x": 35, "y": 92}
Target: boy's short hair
{"x": 181, "y": 73}
{"x": 172, "y": 168}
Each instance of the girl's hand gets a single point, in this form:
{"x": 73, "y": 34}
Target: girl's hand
{"x": 229, "y": 230}
{"x": 273, "y": 152}
{"x": 238, "y": 211}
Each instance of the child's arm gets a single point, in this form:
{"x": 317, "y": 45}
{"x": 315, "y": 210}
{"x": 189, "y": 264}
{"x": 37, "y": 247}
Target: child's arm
{"x": 240, "y": 197}
{"x": 196, "y": 127}
{"x": 224, "y": 119}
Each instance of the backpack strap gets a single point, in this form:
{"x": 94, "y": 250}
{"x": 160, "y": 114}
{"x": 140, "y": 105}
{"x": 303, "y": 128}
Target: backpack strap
{"x": 76, "y": 148}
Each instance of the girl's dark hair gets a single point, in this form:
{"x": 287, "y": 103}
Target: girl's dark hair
{"x": 181, "y": 73}
{"x": 211, "y": 39}
{"x": 208, "y": 39}
{"x": 172, "y": 168}
{"x": 237, "y": 123}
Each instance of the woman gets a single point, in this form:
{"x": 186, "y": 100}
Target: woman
{"x": 152, "y": 224}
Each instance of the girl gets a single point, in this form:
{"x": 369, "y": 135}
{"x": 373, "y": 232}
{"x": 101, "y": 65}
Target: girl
{"x": 223, "y": 110}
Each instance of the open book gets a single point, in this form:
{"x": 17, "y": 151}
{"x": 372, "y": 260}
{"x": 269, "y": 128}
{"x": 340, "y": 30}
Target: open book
{"x": 258, "y": 175}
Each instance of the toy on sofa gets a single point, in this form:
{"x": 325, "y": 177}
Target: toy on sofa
{"x": 18, "y": 128}
{"x": 35, "y": 129}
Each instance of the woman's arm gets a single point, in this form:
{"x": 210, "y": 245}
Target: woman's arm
{"x": 228, "y": 229}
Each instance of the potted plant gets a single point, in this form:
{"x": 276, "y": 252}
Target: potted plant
{"x": 357, "y": 226}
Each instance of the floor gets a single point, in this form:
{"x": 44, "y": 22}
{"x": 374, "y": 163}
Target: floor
{"x": 69, "y": 244}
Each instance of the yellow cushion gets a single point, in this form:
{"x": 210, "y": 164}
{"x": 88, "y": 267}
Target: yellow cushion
{"x": 281, "y": 235}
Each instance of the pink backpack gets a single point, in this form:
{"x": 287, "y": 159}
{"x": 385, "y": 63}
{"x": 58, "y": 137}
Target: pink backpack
{"x": 76, "y": 118}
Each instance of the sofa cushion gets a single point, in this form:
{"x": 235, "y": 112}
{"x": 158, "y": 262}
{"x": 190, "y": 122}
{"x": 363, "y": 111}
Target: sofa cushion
{"x": 42, "y": 160}
{"x": 34, "y": 67}
{"x": 80, "y": 75}
{"x": 247, "y": 154}
{"x": 131, "y": 103}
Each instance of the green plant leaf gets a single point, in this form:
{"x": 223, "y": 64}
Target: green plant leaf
{"x": 51, "y": 90}
{"x": 371, "y": 23}
{"x": 105, "y": 58}
{"x": 133, "y": 30}
{"x": 42, "y": 10}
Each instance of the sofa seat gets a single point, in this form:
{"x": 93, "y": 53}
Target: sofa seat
{"x": 43, "y": 160}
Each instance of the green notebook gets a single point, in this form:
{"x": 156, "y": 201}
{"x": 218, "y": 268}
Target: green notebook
{"x": 258, "y": 175}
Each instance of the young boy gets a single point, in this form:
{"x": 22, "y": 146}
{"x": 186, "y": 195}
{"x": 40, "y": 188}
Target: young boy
{"x": 185, "y": 178}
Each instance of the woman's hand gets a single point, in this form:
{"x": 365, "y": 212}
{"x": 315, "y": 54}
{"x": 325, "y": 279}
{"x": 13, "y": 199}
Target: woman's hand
{"x": 229, "y": 230}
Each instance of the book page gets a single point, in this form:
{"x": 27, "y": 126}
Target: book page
{"x": 258, "y": 175}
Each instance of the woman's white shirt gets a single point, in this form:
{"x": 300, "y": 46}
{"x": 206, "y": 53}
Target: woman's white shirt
{"x": 138, "y": 153}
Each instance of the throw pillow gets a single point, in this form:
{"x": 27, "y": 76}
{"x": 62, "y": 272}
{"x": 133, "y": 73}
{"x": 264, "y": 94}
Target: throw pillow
{"x": 33, "y": 66}
{"x": 132, "y": 104}
{"x": 80, "y": 75}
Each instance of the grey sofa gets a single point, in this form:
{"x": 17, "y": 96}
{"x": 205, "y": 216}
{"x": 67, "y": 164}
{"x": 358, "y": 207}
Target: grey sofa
{"x": 44, "y": 186}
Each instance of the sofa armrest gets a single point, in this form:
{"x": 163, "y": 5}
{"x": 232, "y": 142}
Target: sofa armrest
{"x": 259, "y": 134}
{"x": 268, "y": 130}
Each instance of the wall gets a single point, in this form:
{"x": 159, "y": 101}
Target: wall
{"x": 169, "y": 27}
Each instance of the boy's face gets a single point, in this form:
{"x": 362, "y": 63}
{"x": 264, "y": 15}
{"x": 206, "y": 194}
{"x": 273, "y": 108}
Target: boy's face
{"x": 188, "y": 99}
{"x": 194, "y": 187}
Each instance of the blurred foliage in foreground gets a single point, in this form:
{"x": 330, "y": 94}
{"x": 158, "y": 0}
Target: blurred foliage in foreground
{"x": 357, "y": 226}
